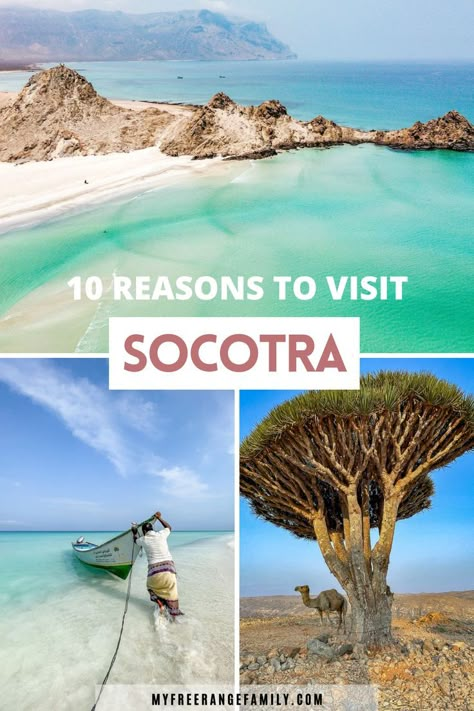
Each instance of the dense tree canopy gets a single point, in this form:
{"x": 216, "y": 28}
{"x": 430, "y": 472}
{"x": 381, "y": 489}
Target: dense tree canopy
{"x": 398, "y": 426}
{"x": 331, "y": 465}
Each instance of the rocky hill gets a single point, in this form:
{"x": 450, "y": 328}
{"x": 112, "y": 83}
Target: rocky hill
{"x": 30, "y": 34}
{"x": 59, "y": 113}
{"x": 225, "y": 128}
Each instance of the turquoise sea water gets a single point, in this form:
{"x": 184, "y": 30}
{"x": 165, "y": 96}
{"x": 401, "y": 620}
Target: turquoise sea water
{"x": 366, "y": 95}
{"x": 345, "y": 211}
{"x": 56, "y": 611}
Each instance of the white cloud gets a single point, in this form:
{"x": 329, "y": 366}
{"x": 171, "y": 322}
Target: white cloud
{"x": 83, "y": 407}
{"x": 181, "y": 482}
{"x": 105, "y": 421}
{"x": 215, "y": 5}
{"x": 142, "y": 415}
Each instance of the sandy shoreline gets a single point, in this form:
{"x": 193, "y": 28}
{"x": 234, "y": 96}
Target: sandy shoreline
{"x": 8, "y": 97}
{"x": 36, "y": 191}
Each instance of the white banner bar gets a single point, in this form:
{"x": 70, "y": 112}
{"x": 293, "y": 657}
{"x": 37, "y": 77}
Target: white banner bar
{"x": 289, "y": 697}
{"x": 234, "y": 353}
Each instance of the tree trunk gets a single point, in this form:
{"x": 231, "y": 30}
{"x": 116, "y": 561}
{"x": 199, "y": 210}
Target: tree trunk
{"x": 371, "y": 619}
{"x": 361, "y": 573}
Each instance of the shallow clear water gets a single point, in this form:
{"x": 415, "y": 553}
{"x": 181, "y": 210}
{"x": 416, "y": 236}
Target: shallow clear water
{"x": 345, "y": 211}
{"x": 56, "y": 611}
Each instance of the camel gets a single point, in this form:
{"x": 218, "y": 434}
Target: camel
{"x": 327, "y": 601}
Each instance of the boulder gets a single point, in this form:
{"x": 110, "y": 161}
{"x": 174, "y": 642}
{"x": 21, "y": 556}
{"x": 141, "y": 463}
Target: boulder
{"x": 320, "y": 649}
{"x": 323, "y": 638}
{"x": 275, "y": 663}
{"x": 344, "y": 649}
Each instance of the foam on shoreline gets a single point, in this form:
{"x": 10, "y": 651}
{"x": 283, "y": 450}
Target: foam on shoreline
{"x": 37, "y": 191}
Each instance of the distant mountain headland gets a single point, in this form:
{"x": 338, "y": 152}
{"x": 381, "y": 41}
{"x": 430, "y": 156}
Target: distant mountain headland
{"x": 59, "y": 113}
{"x": 34, "y": 35}
{"x": 15, "y": 66}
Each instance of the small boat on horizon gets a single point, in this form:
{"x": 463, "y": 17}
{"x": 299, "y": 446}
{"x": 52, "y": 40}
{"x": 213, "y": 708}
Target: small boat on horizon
{"x": 117, "y": 555}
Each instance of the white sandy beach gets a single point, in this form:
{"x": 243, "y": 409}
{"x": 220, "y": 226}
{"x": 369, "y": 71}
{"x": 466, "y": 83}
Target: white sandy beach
{"x": 35, "y": 191}
{"x": 175, "y": 109}
{"x": 8, "y": 97}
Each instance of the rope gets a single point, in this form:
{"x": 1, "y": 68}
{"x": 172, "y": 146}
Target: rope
{"x": 106, "y": 677}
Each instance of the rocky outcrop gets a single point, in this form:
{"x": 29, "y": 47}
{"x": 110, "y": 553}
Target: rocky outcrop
{"x": 451, "y": 131}
{"x": 59, "y": 113}
{"x": 225, "y": 128}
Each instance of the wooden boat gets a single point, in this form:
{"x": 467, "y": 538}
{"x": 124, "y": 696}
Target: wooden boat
{"x": 116, "y": 556}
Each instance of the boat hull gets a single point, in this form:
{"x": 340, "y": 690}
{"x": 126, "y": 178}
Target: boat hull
{"x": 117, "y": 556}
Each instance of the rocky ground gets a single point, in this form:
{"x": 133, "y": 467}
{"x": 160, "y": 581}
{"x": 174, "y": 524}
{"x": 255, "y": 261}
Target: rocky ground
{"x": 430, "y": 665}
{"x": 59, "y": 113}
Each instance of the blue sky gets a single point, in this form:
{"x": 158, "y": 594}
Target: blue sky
{"x": 76, "y": 456}
{"x": 337, "y": 30}
{"x": 432, "y": 551}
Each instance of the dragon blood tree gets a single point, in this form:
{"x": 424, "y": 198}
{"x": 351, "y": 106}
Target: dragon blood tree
{"x": 332, "y": 465}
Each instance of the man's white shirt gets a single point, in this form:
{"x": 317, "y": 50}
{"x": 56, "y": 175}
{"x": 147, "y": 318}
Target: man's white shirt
{"x": 155, "y": 544}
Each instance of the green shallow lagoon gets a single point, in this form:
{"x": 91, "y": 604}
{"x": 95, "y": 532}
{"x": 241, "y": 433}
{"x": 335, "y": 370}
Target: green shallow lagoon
{"x": 345, "y": 211}
{"x": 60, "y": 620}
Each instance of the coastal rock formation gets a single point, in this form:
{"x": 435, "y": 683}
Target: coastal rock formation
{"x": 59, "y": 113}
{"x": 225, "y": 128}
{"x": 451, "y": 131}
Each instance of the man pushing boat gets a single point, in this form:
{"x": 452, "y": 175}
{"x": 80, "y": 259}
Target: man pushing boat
{"x": 161, "y": 581}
